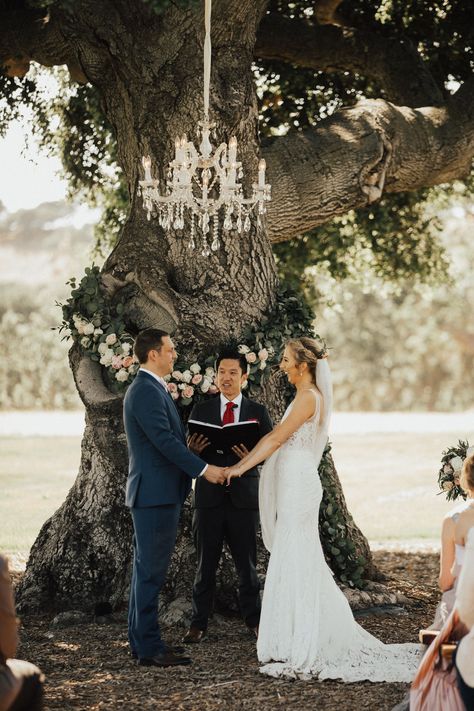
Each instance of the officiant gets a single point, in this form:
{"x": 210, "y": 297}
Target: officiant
{"x": 226, "y": 513}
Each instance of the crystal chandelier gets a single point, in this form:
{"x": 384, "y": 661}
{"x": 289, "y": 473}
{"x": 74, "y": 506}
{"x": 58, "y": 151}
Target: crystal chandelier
{"x": 204, "y": 184}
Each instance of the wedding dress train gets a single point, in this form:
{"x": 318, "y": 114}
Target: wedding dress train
{"x": 306, "y": 627}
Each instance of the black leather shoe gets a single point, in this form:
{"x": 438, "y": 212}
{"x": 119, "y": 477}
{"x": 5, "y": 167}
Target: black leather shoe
{"x": 166, "y": 659}
{"x": 194, "y": 635}
{"x": 174, "y": 649}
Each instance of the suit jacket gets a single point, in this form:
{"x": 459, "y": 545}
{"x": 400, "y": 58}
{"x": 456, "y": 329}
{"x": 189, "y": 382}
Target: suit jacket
{"x": 243, "y": 491}
{"x": 161, "y": 466}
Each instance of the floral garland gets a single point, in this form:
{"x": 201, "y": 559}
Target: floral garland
{"x": 98, "y": 327}
{"x": 450, "y": 472}
{"x": 189, "y": 384}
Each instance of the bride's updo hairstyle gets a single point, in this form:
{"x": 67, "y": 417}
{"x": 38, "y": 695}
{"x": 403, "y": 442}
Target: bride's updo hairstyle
{"x": 307, "y": 350}
{"x": 467, "y": 475}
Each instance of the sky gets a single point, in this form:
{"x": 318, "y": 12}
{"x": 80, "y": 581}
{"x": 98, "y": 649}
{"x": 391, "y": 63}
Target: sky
{"x": 27, "y": 178}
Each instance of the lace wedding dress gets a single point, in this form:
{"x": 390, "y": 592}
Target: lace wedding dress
{"x": 306, "y": 627}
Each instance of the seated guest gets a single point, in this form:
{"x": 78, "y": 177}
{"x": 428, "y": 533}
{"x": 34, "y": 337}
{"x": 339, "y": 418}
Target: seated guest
{"x": 464, "y": 655}
{"x": 445, "y": 678}
{"x": 453, "y": 533}
{"x": 21, "y": 683}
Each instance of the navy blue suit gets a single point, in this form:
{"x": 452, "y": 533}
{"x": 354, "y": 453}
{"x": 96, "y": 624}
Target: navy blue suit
{"x": 161, "y": 468}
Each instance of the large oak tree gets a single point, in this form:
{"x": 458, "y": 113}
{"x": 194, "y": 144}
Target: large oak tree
{"x": 379, "y": 102}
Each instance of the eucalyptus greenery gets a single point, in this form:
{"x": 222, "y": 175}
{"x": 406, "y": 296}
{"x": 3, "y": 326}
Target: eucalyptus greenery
{"x": 340, "y": 552}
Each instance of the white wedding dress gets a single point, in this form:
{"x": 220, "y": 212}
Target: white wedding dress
{"x": 306, "y": 627}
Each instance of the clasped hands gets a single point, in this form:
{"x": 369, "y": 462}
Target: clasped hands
{"x": 219, "y": 475}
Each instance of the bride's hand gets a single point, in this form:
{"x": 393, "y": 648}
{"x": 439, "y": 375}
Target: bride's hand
{"x": 232, "y": 472}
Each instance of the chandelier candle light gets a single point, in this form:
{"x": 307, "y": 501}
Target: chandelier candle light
{"x": 201, "y": 183}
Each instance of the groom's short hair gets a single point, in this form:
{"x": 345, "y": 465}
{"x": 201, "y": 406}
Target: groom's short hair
{"x": 151, "y": 339}
{"x": 232, "y": 354}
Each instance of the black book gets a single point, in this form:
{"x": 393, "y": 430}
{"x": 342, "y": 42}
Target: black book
{"x": 223, "y": 437}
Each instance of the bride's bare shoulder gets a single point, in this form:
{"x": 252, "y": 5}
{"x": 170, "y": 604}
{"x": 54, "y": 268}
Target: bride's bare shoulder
{"x": 308, "y": 399}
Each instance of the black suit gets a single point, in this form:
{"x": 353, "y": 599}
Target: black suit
{"x": 227, "y": 513}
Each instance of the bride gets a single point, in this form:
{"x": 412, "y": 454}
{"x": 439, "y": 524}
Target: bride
{"x": 306, "y": 627}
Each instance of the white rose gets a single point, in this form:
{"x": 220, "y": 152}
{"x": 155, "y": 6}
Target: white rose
{"x": 88, "y": 329}
{"x": 456, "y": 463}
{"x": 102, "y": 348}
{"x": 85, "y": 341}
{"x": 470, "y": 451}
{"x": 186, "y": 376}
{"x": 80, "y": 327}
{"x": 263, "y": 354}
{"x": 243, "y": 348}
{"x": 447, "y": 485}
{"x": 107, "y": 357}
{"x": 251, "y": 357}
{"x": 126, "y": 347}
{"x": 210, "y": 373}
{"x": 205, "y": 385}
{"x": 111, "y": 339}
{"x": 262, "y": 365}
{"x": 98, "y": 332}
{"x": 177, "y": 374}
{"x": 121, "y": 375}
{"x": 195, "y": 368}
{"x": 447, "y": 469}
{"x": 182, "y": 386}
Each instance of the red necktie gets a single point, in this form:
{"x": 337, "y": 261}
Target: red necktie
{"x": 229, "y": 413}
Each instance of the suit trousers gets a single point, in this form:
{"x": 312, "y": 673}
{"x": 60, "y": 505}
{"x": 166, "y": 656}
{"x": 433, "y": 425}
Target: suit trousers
{"x": 238, "y": 528}
{"x": 153, "y": 544}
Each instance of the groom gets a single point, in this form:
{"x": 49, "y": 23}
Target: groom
{"x": 161, "y": 468}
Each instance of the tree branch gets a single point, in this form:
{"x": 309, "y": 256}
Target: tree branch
{"x": 393, "y": 63}
{"x": 349, "y": 159}
{"x": 30, "y": 34}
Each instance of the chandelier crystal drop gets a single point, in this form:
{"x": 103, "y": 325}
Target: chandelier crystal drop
{"x": 204, "y": 184}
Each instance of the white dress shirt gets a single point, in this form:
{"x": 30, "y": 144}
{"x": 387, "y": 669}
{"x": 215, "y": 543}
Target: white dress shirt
{"x": 237, "y": 401}
{"x": 162, "y": 382}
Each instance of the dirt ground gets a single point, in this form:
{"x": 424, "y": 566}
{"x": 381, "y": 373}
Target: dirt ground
{"x": 88, "y": 666}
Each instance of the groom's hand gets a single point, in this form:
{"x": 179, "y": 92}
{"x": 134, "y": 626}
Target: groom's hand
{"x": 216, "y": 475}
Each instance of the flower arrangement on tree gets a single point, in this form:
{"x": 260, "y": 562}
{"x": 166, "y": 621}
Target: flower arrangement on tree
{"x": 450, "y": 472}
{"x": 98, "y": 326}
{"x": 187, "y": 384}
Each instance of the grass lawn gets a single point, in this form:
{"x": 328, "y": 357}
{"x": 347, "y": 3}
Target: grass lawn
{"x": 35, "y": 475}
{"x": 389, "y": 481}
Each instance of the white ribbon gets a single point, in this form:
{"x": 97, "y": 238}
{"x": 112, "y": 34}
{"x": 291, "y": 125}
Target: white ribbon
{"x": 207, "y": 57}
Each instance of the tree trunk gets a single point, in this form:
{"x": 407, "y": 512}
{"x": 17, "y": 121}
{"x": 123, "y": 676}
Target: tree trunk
{"x": 82, "y": 555}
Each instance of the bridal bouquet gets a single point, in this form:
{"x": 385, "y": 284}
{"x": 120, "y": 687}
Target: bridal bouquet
{"x": 450, "y": 472}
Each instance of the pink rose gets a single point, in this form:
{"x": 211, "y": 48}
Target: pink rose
{"x": 188, "y": 391}
{"x": 251, "y": 357}
{"x": 172, "y": 387}
{"x": 197, "y": 379}
{"x": 116, "y": 362}
{"x": 175, "y": 395}
{"x": 263, "y": 354}
{"x": 127, "y": 361}
{"x": 213, "y": 390}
